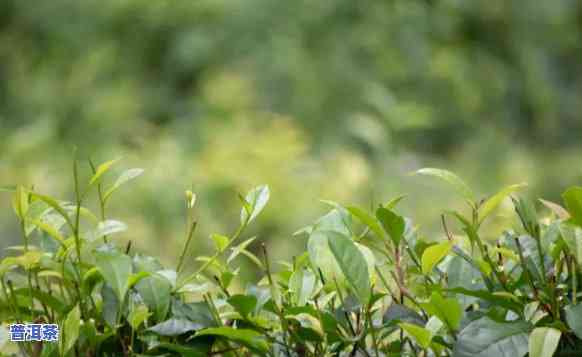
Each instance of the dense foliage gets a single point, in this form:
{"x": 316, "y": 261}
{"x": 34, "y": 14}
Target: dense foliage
{"x": 368, "y": 284}
{"x": 228, "y": 93}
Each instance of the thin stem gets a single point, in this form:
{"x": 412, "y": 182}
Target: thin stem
{"x": 186, "y": 245}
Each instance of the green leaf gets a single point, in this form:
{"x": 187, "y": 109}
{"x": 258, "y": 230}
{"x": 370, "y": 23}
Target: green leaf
{"x": 434, "y": 254}
{"x": 138, "y": 316}
{"x": 48, "y": 229}
{"x": 448, "y": 310}
{"x": 402, "y": 313}
{"x": 393, "y": 224}
{"x": 155, "y": 292}
{"x": 70, "y": 330}
{"x": 302, "y": 285}
{"x": 243, "y": 304}
{"x": 54, "y": 205}
{"x": 493, "y": 202}
{"x": 248, "y": 338}
{"x": 573, "y": 200}
{"x": 257, "y": 199}
{"x": 116, "y": 269}
{"x": 106, "y": 228}
{"x": 487, "y": 338}
{"x": 459, "y": 185}
{"x": 101, "y": 170}
{"x": 352, "y": 263}
{"x": 20, "y": 202}
{"x": 321, "y": 256}
{"x": 174, "y": 327}
{"x": 421, "y": 335}
{"x": 367, "y": 219}
{"x": 543, "y": 341}
{"x": 125, "y": 177}
{"x": 572, "y": 235}
{"x": 220, "y": 241}
{"x": 574, "y": 318}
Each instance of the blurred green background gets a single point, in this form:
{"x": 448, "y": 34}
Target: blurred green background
{"x": 335, "y": 100}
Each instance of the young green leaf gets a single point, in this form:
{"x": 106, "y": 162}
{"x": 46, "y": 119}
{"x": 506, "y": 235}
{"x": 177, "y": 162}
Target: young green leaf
{"x": 352, "y": 263}
{"x": 125, "y": 177}
{"x": 257, "y": 199}
{"x": 573, "y": 200}
{"x": 494, "y": 201}
{"x": 367, "y": 219}
{"x": 220, "y": 241}
{"x": 433, "y": 255}
{"x": 421, "y": 335}
{"x": 101, "y": 170}
{"x": 243, "y": 304}
{"x": 393, "y": 224}
{"x": 459, "y": 185}
{"x": 138, "y": 316}
{"x": 448, "y": 310}
{"x": 70, "y": 330}
{"x": 543, "y": 341}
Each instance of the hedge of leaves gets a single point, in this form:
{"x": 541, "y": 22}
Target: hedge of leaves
{"x": 367, "y": 285}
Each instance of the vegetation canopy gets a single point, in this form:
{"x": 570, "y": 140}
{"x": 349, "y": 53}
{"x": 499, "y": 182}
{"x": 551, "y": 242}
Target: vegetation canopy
{"x": 369, "y": 284}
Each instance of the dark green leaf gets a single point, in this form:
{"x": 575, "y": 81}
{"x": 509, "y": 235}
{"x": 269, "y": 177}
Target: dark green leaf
{"x": 393, "y": 224}
{"x": 248, "y": 338}
{"x": 487, "y": 338}
{"x": 367, "y": 219}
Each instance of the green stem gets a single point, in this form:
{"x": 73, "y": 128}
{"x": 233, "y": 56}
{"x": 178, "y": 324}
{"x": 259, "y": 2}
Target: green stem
{"x": 186, "y": 245}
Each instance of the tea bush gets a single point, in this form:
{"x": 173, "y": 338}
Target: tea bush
{"x": 367, "y": 285}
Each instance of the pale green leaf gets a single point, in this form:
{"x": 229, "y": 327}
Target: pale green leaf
{"x": 257, "y": 199}
{"x": 433, "y": 255}
{"x": 125, "y": 177}
{"x": 494, "y": 201}
{"x": 543, "y": 341}
{"x": 101, "y": 170}
{"x": 459, "y": 185}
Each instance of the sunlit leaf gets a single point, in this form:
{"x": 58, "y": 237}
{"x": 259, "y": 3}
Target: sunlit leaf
{"x": 434, "y": 254}
{"x": 573, "y": 200}
{"x": 125, "y": 177}
{"x": 101, "y": 170}
{"x": 494, "y": 201}
{"x": 70, "y": 330}
{"x": 543, "y": 341}
{"x": 459, "y": 185}
{"x": 257, "y": 199}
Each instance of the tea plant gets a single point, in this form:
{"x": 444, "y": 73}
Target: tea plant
{"x": 368, "y": 285}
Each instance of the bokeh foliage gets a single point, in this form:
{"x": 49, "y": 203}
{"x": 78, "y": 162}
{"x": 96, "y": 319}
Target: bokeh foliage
{"x": 336, "y": 99}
